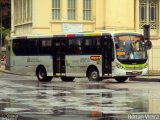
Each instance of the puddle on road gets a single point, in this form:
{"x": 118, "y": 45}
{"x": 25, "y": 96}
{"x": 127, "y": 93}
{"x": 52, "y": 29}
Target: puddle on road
{"x": 86, "y": 101}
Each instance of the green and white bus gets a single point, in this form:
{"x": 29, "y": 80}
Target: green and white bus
{"x": 95, "y": 55}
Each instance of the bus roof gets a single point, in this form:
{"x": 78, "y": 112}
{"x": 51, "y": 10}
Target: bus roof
{"x": 80, "y": 34}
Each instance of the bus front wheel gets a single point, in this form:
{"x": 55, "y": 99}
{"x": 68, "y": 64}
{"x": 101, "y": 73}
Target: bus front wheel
{"x": 93, "y": 75}
{"x": 121, "y": 79}
{"x": 42, "y": 75}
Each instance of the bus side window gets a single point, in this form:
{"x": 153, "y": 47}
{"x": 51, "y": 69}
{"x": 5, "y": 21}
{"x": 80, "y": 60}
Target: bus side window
{"x": 75, "y": 46}
{"x": 96, "y": 45}
{"x": 87, "y": 46}
{"x": 19, "y": 47}
{"x": 34, "y": 47}
{"x": 71, "y": 46}
{"x": 79, "y": 46}
{"x": 92, "y": 45}
{"x": 46, "y": 46}
{"x": 16, "y": 46}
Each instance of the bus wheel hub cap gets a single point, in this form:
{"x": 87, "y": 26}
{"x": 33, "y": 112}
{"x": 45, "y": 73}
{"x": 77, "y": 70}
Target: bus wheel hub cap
{"x": 94, "y": 75}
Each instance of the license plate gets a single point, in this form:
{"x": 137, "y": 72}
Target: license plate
{"x": 135, "y": 72}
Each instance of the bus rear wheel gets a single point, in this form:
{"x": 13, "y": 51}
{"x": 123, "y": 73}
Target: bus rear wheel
{"x": 121, "y": 79}
{"x": 42, "y": 75}
{"x": 67, "y": 79}
{"x": 93, "y": 75}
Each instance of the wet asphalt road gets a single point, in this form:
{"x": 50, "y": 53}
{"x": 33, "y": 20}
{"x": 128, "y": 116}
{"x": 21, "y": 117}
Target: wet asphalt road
{"x": 24, "y": 98}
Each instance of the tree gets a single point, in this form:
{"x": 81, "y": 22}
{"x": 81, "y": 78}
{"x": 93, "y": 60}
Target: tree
{"x": 5, "y": 16}
{"x": 6, "y": 13}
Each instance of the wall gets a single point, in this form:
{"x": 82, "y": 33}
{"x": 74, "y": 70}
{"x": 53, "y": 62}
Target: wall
{"x": 42, "y": 12}
{"x": 154, "y": 57}
{"x": 119, "y": 14}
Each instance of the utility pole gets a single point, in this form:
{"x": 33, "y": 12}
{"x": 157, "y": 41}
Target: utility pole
{"x": 1, "y": 33}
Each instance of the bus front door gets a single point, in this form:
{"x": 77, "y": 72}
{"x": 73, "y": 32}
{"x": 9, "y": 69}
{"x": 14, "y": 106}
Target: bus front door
{"x": 59, "y": 57}
{"x": 107, "y": 56}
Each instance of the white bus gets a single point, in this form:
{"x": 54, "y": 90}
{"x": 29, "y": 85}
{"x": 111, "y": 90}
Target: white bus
{"x": 95, "y": 55}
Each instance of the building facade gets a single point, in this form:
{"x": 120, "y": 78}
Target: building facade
{"x": 63, "y": 16}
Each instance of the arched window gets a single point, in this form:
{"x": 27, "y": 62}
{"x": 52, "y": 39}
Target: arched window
{"x": 148, "y": 13}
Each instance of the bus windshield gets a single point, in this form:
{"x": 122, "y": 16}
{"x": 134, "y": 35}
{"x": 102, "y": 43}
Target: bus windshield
{"x": 130, "y": 47}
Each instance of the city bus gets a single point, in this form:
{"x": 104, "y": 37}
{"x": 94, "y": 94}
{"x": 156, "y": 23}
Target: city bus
{"x": 95, "y": 55}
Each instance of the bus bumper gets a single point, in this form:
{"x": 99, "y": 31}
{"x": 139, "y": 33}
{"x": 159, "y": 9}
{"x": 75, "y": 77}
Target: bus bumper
{"x": 123, "y": 72}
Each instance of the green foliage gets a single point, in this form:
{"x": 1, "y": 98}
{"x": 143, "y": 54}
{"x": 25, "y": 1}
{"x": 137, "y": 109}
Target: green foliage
{"x": 5, "y": 32}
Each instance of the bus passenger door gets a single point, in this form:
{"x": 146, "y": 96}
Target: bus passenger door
{"x": 59, "y": 57}
{"x": 107, "y": 56}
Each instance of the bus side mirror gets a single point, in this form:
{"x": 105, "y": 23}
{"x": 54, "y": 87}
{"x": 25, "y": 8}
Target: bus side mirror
{"x": 148, "y": 45}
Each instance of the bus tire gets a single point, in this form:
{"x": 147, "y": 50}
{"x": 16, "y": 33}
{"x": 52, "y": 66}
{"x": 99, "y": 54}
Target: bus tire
{"x": 93, "y": 74}
{"x": 42, "y": 74}
{"x": 67, "y": 79}
{"x": 121, "y": 79}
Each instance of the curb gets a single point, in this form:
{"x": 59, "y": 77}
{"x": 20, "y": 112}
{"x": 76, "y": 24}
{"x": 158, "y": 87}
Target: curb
{"x": 2, "y": 69}
{"x": 5, "y": 71}
{"x": 146, "y": 79}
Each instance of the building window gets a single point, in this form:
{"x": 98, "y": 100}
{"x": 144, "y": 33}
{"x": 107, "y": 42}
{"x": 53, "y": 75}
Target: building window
{"x": 71, "y": 9}
{"x": 87, "y": 9}
{"x": 149, "y": 13}
{"x": 22, "y": 11}
{"x": 56, "y": 9}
